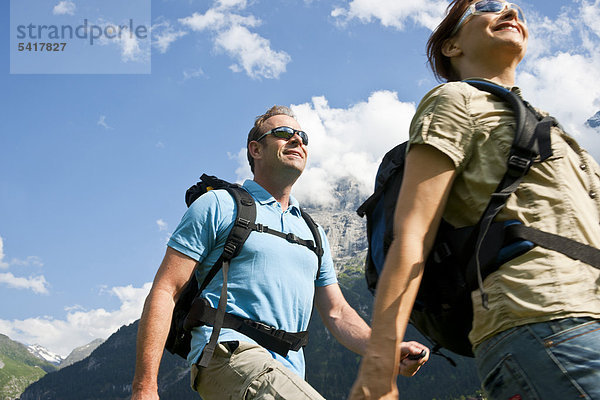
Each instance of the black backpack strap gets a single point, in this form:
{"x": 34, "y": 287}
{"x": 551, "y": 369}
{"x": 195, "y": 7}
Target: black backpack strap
{"x": 290, "y": 237}
{"x": 267, "y": 336}
{"x": 318, "y": 245}
{"x": 532, "y": 139}
{"x": 571, "y": 248}
{"x": 245, "y": 223}
{"x": 246, "y": 215}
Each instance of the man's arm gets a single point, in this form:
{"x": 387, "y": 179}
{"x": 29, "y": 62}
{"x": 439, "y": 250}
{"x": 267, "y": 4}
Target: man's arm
{"x": 174, "y": 272}
{"x": 341, "y": 319}
{"x": 352, "y": 331}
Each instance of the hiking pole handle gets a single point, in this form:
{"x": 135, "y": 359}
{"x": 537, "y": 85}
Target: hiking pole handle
{"x": 417, "y": 356}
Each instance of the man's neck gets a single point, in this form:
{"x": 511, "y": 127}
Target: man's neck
{"x": 279, "y": 190}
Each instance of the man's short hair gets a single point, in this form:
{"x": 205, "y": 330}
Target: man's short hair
{"x": 257, "y": 130}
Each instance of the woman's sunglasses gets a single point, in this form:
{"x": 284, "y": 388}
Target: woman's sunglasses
{"x": 285, "y": 132}
{"x": 488, "y": 6}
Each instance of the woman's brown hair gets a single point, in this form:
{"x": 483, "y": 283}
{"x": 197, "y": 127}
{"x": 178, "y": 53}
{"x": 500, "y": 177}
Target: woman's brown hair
{"x": 439, "y": 63}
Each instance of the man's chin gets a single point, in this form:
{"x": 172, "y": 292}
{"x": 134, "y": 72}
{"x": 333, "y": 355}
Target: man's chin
{"x": 295, "y": 168}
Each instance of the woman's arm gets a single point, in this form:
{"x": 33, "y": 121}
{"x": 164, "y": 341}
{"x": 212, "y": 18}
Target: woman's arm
{"x": 428, "y": 177}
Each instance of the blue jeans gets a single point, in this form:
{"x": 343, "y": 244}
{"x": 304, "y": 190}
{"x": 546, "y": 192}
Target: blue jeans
{"x": 549, "y": 360}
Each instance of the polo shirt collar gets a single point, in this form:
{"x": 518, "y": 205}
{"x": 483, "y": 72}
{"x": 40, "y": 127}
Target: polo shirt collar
{"x": 263, "y": 197}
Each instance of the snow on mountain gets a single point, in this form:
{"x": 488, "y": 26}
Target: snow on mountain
{"x": 45, "y": 354}
{"x": 594, "y": 121}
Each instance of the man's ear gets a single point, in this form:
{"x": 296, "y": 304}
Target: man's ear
{"x": 255, "y": 149}
{"x": 451, "y": 48}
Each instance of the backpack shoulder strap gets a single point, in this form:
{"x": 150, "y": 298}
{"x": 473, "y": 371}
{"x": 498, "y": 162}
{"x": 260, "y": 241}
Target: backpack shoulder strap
{"x": 318, "y": 245}
{"x": 242, "y": 226}
{"x": 532, "y": 139}
{"x": 245, "y": 217}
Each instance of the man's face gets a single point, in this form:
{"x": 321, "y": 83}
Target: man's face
{"x": 281, "y": 155}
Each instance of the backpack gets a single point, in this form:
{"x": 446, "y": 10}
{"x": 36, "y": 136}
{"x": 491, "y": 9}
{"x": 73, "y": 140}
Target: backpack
{"x": 462, "y": 258}
{"x": 191, "y": 310}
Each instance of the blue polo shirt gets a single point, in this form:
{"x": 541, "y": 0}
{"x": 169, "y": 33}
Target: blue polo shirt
{"x": 271, "y": 280}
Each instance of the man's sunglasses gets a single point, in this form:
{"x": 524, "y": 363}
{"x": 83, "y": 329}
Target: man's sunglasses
{"x": 285, "y": 132}
{"x": 488, "y": 6}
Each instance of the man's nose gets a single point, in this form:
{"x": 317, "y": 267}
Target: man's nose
{"x": 296, "y": 139}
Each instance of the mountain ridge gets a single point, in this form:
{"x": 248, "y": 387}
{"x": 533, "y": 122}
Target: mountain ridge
{"x": 18, "y": 368}
{"x": 45, "y": 354}
{"x": 594, "y": 121}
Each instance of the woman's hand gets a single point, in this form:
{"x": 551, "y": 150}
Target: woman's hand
{"x": 410, "y": 362}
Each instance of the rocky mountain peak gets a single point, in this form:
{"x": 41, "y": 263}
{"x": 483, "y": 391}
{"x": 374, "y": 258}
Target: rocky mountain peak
{"x": 594, "y": 122}
{"x": 45, "y": 354}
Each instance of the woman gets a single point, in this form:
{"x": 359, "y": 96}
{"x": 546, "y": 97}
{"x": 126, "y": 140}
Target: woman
{"x": 540, "y": 337}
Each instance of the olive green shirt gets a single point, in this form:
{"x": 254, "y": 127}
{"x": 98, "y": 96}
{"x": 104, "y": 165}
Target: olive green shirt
{"x": 560, "y": 195}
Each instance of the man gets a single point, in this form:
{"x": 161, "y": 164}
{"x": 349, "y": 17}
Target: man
{"x": 271, "y": 281}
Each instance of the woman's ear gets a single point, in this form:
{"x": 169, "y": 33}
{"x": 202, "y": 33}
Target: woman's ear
{"x": 451, "y": 48}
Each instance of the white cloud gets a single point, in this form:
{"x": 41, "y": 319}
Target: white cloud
{"x": 37, "y": 284}
{"x": 393, "y": 13}
{"x": 346, "y": 144}
{"x": 192, "y": 73}
{"x": 562, "y": 68}
{"x": 252, "y": 52}
{"x": 3, "y": 264}
{"x": 130, "y": 48}
{"x": 217, "y": 20}
{"x": 79, "y": 327}
{"x": 134, "y": 46}
{"x": 164, "y": 35}
{"x": 212, "y": 19}
{"x": 162, "y": 225}
{"x": 29, "y": 261}
{"x": 591, "y": 16}
{"x": 231, "y": 3}
{"x": 64, "y": 7}
{"x": 102, "y": 122}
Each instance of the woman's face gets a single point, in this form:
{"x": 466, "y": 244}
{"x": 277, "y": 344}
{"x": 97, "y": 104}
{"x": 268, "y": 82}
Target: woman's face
{"x": 494, "y": 35}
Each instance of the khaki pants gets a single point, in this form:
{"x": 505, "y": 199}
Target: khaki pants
{"x": 248, "y": 373}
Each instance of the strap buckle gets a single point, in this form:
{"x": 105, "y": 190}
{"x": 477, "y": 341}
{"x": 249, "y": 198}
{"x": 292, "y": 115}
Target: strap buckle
{"x": 518, "y": 164}
{"x": 270, "y": 330}
{"x": 290, "y": 237}
{"x": 229, "y": 249}
{"x": 242, "y": 222}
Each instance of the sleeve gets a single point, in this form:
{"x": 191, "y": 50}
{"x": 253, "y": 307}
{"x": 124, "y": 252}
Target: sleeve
{"x": 196, "y": 234}
{"x": 444, "y": 120}
{"x": 327, "y": 275}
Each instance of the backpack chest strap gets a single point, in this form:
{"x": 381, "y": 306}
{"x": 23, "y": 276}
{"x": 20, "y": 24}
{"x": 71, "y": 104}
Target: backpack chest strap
{"x": 290, "y": 237}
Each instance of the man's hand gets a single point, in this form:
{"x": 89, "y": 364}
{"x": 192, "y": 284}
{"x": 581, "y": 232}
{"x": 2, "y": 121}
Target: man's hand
{"x": 410, "y": 357}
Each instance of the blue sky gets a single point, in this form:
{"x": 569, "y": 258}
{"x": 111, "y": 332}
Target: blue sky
{"x": 95, "y": 165}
